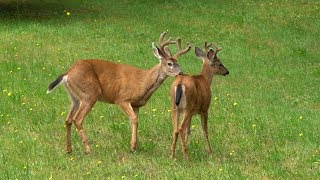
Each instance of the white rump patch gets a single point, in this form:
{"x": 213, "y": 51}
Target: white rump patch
{"x": 64, "y": 79}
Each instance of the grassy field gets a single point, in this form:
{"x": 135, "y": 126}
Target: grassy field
{"x": 264, "y": 116}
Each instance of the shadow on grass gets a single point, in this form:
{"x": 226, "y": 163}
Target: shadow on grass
{"x": 40, "y": 10}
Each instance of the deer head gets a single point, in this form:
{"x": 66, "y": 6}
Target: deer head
{"x": 167, "y": 60}
{"x": 211, "y": 62}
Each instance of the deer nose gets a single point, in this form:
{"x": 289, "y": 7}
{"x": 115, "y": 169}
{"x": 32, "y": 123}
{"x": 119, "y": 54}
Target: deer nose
{"x": 180, "y": 73}
{"x": 226, "y": 73}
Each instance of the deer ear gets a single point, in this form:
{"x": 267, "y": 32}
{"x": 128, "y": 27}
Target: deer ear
{"x": 211, "y": 55}
{"x": 157, "y": 52}
{"x": 200, "y": 54}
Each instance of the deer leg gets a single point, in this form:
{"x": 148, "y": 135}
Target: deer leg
{"x": 136, "y": 112}
{"x": 73, "y": 109}
{"x": 134, "y": 127}
{"x": 84, "y": 108}
{"x": 204, "y": 124}
{"x": 175, "y": 119}
{"x": 187, "y": 131}
{"x": 131, "y": 113}
{"x": 182, "y": 130}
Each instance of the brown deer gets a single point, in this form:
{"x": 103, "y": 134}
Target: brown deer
{"x": 89, "y": 81}
{"x": 192, "y": 95}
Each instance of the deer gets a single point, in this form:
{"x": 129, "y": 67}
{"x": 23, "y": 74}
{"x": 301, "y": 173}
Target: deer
{"x": 91, "y": 80}
{"x": 191, "y": 95}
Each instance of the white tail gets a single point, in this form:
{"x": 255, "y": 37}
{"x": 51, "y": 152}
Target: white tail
{"x": 192, "y": 95}
{"x": 89, "y": 81}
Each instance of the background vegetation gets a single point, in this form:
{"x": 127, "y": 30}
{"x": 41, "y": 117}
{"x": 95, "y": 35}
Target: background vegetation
{"x": 264, "y": 116}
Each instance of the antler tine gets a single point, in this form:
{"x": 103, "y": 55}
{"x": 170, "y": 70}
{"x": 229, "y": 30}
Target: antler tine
{"x": 161, "y": 37}
{"x": 206, "y": 46}
{"x": 216, "y": 48}
{"x": 179, "y": 41}
{"x": 164, "y": 44}
{"x": 180, "y": 50}
{"x": 169, "y": 41}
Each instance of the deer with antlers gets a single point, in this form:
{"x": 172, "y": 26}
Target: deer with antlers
{"x": 192, "y": 95}
{"x": 89, "y": 81}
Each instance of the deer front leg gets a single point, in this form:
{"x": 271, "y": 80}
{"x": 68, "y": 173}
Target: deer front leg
{"x": 136, "y": 111}
{"x": 175, "y": 119}
{"x": 204, "y": 124}
{"x": 133, "y": 117}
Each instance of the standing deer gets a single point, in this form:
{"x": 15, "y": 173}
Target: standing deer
{"x": 89, "y": 81}
{"x": 192, "y": 95}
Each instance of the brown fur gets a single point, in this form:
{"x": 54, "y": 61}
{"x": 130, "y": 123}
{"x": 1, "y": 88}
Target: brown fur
{"x": 195, "y": 99}
{"x": 89, "y": 81}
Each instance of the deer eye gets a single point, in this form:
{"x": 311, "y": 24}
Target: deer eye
{"x": 170, "y": 64}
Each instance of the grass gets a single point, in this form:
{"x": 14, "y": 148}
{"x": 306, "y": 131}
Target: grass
{"x": 264, "y": 116}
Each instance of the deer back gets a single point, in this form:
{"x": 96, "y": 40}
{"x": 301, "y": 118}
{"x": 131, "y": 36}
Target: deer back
{"x": 111, "y": 82}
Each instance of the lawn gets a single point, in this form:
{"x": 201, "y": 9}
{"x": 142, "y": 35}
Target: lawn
{"x": 263, "y": 119}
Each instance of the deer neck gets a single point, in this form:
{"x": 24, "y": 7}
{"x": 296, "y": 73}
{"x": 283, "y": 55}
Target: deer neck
{"x": 153, "y": 78}
{"x": 207, "y": 73}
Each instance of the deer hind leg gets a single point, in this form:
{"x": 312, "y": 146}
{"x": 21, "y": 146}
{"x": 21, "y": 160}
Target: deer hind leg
{"x": 204, "y": 124}
{"x": 84, "y": 108}
{"x": 175, "y": 120}
{"x": 183, "y": 128}
{"x": 187, "y": 131}
{"x": 133, "y": 117}
{"x": 73, "y": 109}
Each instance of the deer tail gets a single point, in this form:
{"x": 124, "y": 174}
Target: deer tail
{"x": 55, "y": 83}
{"x": 178, "y": 94}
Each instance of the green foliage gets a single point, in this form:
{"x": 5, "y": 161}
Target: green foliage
{"x": 264, "y": 116}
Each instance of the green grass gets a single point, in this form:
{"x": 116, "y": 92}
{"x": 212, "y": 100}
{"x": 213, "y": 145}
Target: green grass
{"x": 264, "y": 116}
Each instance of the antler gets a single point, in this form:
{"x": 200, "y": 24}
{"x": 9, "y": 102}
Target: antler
{"x": 163, "y": 45}
{"x": 180, "y": 52}
{"x": 166, "y": 51}
{"x": 206, "y": 47}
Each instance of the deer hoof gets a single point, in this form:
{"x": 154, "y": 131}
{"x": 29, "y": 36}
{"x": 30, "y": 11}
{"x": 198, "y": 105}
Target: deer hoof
{"x": 133, "y": 146}
{"x": 68, "y": 150}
